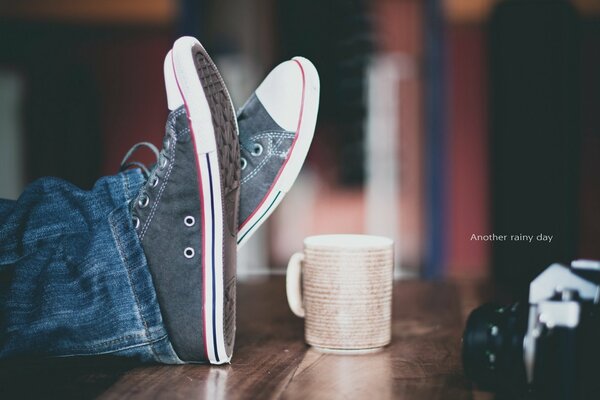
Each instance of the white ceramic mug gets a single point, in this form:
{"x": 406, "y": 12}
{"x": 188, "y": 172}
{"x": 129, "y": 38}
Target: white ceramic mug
{"x": 342, "y": 286}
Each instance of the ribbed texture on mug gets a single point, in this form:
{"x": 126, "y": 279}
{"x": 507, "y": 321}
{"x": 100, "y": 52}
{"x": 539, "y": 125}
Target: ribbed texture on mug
{"x": 348, "y": 297}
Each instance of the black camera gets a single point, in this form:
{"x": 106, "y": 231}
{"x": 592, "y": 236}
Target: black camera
{"x": 548, "y": 347}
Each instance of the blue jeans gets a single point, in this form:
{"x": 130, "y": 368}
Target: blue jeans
{"x": 73, "y": 275}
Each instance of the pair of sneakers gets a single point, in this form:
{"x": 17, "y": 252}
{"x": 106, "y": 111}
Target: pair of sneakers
{"x": 211, "y": 189}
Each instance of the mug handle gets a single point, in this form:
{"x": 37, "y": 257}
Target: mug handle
{"x": 292, "y": 284}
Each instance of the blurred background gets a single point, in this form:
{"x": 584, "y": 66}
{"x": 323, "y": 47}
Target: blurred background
{"x": 439, "y": 119}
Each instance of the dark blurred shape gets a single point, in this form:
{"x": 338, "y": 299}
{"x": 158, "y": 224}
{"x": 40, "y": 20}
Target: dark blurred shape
{"x": 191, "y": 20}
{"x": 61, "y": 378}
{"x": 63, "y": 124}
{"x": 590, "y": 148}
{"x": 91, "y": 92}
{"x": 336, "y": 36}
{"x": 436, "y": 141}
{"x": 60, "y": 112}
{"x": 535, "y": 135}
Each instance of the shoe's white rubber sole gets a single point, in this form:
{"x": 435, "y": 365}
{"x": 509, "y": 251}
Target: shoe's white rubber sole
{"x": 185, "y": 88}
{"x": 305, "y": 127}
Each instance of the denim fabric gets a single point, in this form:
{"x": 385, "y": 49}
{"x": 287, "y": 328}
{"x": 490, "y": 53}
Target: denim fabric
{"x": 258, "y": 128}
{"x": 73, "y": 275}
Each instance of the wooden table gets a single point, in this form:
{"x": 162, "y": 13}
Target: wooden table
{"x": 272, "y": 361}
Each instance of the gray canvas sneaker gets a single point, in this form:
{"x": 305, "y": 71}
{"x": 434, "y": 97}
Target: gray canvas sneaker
{"x": 276, "y": 125}
{"x": 186, "y": 215}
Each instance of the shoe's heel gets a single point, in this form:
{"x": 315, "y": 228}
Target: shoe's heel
{"x": 214, "y": 127}
{"x": 228, "y": 155}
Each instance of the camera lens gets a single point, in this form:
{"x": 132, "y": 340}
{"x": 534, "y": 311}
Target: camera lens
{"x": 493, "y": 347}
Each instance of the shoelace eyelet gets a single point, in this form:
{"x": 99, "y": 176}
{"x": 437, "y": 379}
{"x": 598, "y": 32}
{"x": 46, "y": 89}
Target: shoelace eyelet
{"x": 189, "y": 252}
{"x": 136, "y": 221}
{"x": 243, "y": 163}
{"x": 162, "y": 163}
{"x": 143, "y": 201}
{"x": 154, "y": 182}
{"x": 167, "y": 144}
{"x": 189, "y": 221}
{"x": 257, "y": 150}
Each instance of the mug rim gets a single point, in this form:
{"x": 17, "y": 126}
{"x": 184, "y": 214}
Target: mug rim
{"x": 348, "y": 241}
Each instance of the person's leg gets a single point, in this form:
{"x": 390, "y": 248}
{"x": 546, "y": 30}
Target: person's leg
{"x": 73, "y": 276}
{"x": 6, "y": 207}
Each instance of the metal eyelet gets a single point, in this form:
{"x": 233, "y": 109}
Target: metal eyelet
{"x": 189, "y": 252}
{"x": 154, "y": 182}
{"x": 243, "y": 163}
{"x": 189, "y": 221}
{"x": 167, "y": 144}
{"x": 143, "y": 201}
{"x": 257, "y": 150}
{"x": 162, "y": 163}
{"x": 136, "y": 221}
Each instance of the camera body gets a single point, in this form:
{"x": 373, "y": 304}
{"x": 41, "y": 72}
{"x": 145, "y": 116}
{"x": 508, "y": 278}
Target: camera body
{"x": 549, "y": 346}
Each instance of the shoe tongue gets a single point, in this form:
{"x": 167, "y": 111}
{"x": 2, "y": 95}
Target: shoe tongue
{"x": 177, "y": 122}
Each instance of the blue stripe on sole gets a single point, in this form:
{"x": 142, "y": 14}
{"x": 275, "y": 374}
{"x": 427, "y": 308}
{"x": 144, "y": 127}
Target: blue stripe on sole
{"x": 261, "y": 217}
{"x": 214, "y": 295}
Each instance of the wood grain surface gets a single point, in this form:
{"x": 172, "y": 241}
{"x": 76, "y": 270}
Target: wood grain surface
{"x": 271, "y": 360}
